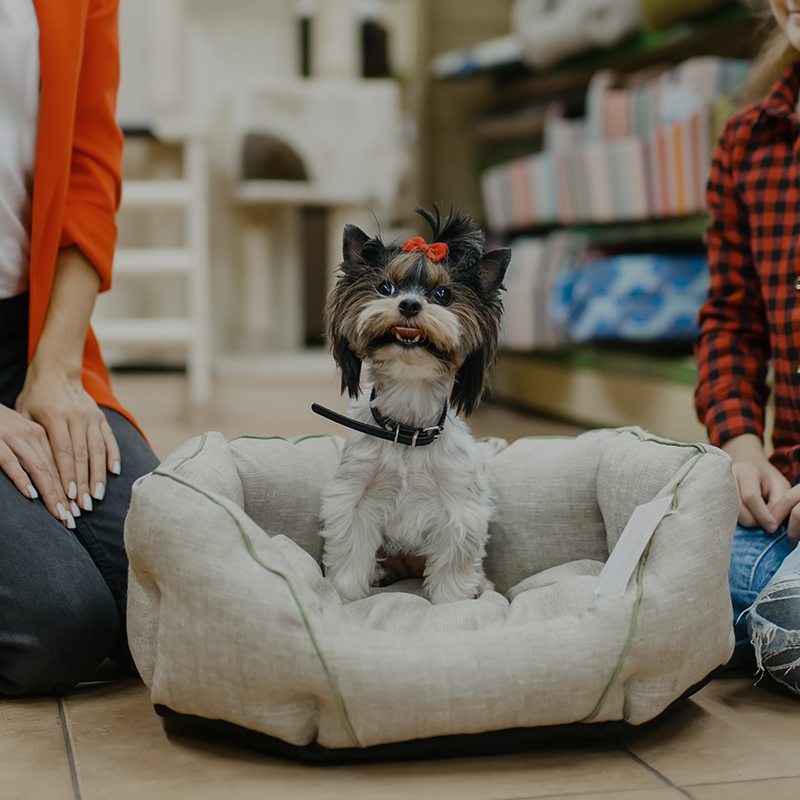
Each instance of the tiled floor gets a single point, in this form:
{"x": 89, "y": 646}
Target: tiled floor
{"x": 733, "y": 740}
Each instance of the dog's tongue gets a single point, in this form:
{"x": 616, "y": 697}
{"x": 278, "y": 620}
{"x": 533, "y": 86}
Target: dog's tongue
{"x": 406, "y": 333}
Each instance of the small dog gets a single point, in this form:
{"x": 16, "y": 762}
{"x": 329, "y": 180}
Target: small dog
{"x": 410, "y": 485}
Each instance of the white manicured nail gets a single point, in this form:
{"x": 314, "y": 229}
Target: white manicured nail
{"x": 62, "y": 512}
{"x": 73, "y": 507}
{"x": 87, "y": 502}
{"x": 73, "y": 490}
{"x": 117, "y": 468}
{"x": 32, "y": 493}
{"x": 70, "y": 520}
{"x": 99, "y": 491}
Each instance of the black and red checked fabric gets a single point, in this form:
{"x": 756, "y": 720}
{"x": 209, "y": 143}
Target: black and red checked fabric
{"x": 751, "y": 317}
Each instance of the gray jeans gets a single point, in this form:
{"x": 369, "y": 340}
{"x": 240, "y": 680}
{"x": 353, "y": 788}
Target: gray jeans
{"x": 62, "y": 593}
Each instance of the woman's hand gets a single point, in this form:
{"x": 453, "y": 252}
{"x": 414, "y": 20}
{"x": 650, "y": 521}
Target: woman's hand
{"x": 80, "y": 440}
{"x": 789, "y": 505}
{"x": 27, "y": 459}
{"x": 765, "y": 495}
{"x": 82, "y": 444}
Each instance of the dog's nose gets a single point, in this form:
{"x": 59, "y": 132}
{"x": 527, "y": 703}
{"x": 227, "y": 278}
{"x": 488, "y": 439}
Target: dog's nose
{"x": 409, "y": 308}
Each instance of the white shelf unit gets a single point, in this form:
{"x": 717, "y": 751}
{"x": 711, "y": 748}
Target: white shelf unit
{"x": 189, "y": 262}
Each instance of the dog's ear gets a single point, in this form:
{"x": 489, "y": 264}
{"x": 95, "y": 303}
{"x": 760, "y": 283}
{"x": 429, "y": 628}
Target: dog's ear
{"x": 468, "y": 386}
{"x": 353, "y": 241}
{"x": 493, "y": 269}
{"x": 350, "y": 366}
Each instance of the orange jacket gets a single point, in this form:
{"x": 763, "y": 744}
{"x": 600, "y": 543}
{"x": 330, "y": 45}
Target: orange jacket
{"x": 77, "y": 181}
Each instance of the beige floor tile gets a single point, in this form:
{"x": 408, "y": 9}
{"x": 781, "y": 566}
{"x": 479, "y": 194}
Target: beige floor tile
{"x": 278, "y": 406}
{"x": 121, "y": 752}
{"x": 505, "y": 423}
{"x": 33, "y": 755}
{"x": 730, "y": 731}
{"x": 776, "y": 789}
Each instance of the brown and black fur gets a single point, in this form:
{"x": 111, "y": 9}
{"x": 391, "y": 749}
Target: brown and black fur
{"x": 472, "y": 277}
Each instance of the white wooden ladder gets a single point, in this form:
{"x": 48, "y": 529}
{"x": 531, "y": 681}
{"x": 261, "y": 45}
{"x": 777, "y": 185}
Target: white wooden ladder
{"x": 190, "y": 262}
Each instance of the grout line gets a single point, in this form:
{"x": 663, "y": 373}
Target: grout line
{"x": 744, "y": 781}
{"x": 663, "y": 778}
{"x": 73, "y": 772}
{"x": 589, "y": 794}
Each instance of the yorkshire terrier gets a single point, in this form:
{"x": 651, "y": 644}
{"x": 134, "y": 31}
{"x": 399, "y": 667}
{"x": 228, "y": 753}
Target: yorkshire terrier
{"x": 410, "y": 487}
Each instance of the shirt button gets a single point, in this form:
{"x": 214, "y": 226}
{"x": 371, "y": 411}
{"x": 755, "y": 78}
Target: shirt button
{"x": 797, "y": 283}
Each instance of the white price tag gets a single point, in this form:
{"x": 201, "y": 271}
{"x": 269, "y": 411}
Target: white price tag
{"x": 621, "y": 563}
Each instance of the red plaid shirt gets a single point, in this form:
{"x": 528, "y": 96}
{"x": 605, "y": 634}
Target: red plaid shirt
{"x": 752, "y": 314}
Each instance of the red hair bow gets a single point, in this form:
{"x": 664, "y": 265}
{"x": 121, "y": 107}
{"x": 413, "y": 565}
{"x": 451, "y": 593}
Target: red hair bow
{"x": 435, "y": 252}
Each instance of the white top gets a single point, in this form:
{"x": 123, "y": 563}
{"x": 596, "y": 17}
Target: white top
{"x": 19, "y": 117}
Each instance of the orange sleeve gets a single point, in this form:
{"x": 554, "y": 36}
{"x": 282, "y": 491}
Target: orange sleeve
{"x": 94, "y": 189}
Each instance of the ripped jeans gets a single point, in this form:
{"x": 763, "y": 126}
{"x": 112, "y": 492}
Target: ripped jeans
{"x": 764, "y": 578}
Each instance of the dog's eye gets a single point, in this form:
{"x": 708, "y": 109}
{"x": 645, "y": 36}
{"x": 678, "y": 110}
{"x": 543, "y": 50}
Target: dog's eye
{"x": 442, "y": 296}
{"x": 387, "y": 289}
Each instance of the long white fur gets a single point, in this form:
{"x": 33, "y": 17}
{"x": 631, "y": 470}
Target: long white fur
{"x": 432, "y": 501}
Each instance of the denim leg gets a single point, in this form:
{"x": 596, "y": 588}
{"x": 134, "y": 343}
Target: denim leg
{"x": 755, "y": 558}
{"x": 62, "y": 593}
{"x": 58, "y": 619}
{"x": 774, "y": 624}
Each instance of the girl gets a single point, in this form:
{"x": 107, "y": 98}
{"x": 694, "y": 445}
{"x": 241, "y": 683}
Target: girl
{"x": 68, "y": 452}
{"x": 751, "y": 319}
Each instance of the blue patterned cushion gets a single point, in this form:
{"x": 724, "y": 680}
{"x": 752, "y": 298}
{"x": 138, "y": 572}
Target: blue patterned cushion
{"x": 631, "y": 298}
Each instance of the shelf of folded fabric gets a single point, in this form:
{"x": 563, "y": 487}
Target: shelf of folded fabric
{"x": 604, "y": 387}
{"x": 511, "y": 125}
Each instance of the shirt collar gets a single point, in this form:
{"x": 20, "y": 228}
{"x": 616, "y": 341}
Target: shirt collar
{"x": 782, "y": 99}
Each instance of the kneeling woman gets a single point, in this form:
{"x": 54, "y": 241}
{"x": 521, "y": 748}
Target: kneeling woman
{"x": 68, "y": 452}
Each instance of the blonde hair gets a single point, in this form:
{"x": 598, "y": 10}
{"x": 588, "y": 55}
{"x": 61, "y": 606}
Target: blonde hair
{"x": 776, "y": 55}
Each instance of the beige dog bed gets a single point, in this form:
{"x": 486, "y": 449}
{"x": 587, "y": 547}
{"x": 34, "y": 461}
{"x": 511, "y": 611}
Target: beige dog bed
{"x": 232, "y": 622}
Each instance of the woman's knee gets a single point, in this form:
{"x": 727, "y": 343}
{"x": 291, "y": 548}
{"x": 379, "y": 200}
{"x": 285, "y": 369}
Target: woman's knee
{"x": 58, "y": 639}
{"x": 774, "y": 628}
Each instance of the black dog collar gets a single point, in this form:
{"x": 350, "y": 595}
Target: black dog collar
{"x": 389, "y": 429}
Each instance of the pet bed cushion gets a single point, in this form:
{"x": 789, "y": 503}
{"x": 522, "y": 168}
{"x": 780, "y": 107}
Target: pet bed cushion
{"x": 231, "y": 619}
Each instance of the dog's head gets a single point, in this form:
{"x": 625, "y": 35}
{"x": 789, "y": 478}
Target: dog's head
{"x": 410, "y": 307}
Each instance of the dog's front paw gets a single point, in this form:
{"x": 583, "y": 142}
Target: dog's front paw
{"x": 450, "y": 592}
{"x": 349, "y": 585}
{"x": 456, "y": 587}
